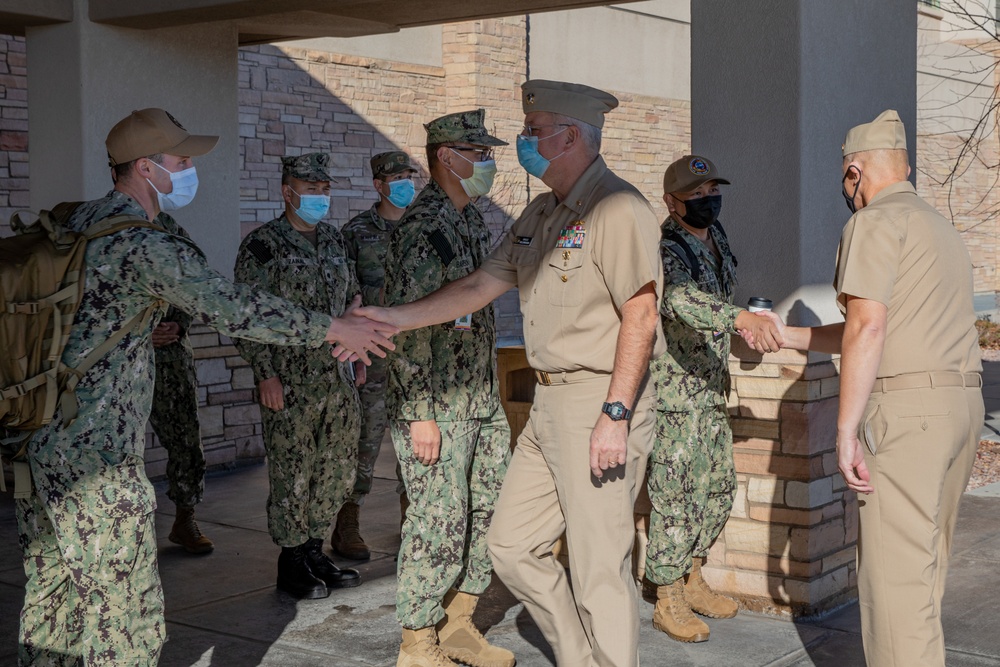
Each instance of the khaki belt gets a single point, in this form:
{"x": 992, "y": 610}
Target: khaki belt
{"x": 547, "y": 379}
{"x": 930, "y": 380}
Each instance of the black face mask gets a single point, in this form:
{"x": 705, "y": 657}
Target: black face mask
{"x": 702, "y": 212}
{"x": 843, "y": 189}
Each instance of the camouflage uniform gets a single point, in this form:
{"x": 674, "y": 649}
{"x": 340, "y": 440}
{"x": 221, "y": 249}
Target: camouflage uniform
{"x": 174, "y": 416}
{"x": 367, "y": 239}
{"x": 691, "y": 478}
{"x": 312, "y": 443}
{"x": 93, "y": 593}
{"x": 447, "y": 374}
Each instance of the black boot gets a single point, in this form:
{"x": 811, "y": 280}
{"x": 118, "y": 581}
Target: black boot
{"x": 296, "y": 578}
{"x": 325, "y": 569}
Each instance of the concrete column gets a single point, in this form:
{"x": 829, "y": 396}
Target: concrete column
{"x": 84, "y": 77}
{"x": 774, "y": 87}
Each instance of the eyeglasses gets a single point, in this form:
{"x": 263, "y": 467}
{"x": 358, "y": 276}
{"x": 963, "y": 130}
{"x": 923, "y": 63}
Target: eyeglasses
{"x": 483, "y": 154}
{"x": 532, "y": 130}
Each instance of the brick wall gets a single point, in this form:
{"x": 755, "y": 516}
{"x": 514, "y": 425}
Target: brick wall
{"x": 13, "y": 129}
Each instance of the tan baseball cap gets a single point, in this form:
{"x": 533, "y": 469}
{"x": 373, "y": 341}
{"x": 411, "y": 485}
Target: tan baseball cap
{"x": 569, "y": 99}
{"x": 152, "y": 131}
{"x": 688, "y": 173}
{"x": 886, "y": 132}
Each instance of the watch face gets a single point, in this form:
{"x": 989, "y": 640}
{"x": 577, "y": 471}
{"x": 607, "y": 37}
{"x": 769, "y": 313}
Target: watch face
{"x": 615, "y": 410}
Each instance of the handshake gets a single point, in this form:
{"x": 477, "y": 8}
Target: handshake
{"x": 360, "y": 332}
{"x": 762, "y": 330}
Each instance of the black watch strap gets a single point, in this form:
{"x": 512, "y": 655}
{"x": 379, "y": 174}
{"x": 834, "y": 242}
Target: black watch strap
{"x": 617, "y": 411}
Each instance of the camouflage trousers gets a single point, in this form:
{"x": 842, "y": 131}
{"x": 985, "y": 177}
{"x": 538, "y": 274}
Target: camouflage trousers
{"x": 691, "y": 483}
{"x": 373, "y": 424}
{"x": 174, "y": 418}
{"x": 93, "y": 594}
{"x": 312, "y": 449}
{"x": 451, "y": 506}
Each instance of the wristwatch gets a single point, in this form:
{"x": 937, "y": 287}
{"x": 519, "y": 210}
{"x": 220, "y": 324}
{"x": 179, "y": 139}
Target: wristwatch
{"x": 617, "y": 411}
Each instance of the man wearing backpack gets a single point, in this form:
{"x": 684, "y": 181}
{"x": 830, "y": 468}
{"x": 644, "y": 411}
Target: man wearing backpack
{"x": 691, "y": 479}
{"x": 93, "y": 594}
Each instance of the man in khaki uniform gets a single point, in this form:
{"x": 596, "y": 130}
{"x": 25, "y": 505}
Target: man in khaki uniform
{"x": 911, "y": 405}
{"x": 585, "y": 260}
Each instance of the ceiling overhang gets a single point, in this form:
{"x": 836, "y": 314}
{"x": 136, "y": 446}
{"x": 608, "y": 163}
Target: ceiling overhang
{"x": 258, "y": 21}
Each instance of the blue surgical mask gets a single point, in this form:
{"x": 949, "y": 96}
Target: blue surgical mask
{"x": 312, "y": 208}
{"x": 530, "y": 158}
{"x": 402, "y": 192}
{"x": 185, "y": 186}
{"x": 482, "y": 176}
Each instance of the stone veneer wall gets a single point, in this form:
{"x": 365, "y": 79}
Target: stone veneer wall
{"x": 789, "y": 545}
{"x": 13, "y": 128}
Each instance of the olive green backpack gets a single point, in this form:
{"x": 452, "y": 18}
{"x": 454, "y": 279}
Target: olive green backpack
{"x": 41, "y": 285}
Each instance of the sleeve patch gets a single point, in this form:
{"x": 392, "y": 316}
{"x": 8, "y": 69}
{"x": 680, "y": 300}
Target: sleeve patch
{"x": 442, "y": 247}
{"x": 260, "y": 250}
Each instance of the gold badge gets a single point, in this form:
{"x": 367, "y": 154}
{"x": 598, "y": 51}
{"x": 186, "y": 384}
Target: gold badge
{"x": 529, "y": 98}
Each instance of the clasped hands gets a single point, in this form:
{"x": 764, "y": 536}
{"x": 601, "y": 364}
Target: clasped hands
{"x": 763, "y": 331}
{"x": 359, "y": 334}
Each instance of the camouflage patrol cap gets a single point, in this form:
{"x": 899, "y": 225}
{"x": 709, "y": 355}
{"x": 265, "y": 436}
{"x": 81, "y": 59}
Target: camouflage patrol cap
{"x": 464, "y": 126}
{"x": 886, "y": 132}
{"x": 568, "y": 99}
{"x": 309, "y": 167}
{"x": 688, "y": 173}
{"x": 389, "y": 163}
{"x": 151, "y": 131}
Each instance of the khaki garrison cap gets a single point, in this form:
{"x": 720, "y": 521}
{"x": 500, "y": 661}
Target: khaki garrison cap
{"x": 688, "y": 173}
{"x": 151, "y": 131}
{"x": 391, "y": 162}
{"x": 310, "y": 167}
{"x": 464, "y": 126}
{"x": 884, "y": 133}
{"x": 569, "y": 99}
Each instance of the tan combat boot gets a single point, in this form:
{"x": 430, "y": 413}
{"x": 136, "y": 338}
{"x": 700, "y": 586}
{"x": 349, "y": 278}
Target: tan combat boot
{"x": 186, "y": 533}
{"x": 461, "y": 640}
{"x": 420, "y": 649}
{"x": 346, "y": 539}
{"x": 673, "y": 616}
{"x": 703, "y": 599}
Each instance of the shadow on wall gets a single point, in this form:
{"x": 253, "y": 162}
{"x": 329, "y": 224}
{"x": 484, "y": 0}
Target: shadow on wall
{"x": 353, "y": 110}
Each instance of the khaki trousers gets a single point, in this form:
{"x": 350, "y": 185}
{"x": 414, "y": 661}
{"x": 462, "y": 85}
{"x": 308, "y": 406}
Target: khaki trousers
{"x": 925, "y": 443}
{"x": 549, "y": 489}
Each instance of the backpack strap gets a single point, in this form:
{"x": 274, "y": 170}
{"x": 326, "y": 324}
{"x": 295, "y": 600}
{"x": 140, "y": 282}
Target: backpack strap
{"x": 67, "y": 398}
{"x": 690, "y": 261}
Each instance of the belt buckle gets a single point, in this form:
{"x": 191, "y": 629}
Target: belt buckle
{"x": 543, "y": 378}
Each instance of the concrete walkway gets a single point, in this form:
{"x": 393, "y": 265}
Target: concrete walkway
{"x": 223, "y": 609}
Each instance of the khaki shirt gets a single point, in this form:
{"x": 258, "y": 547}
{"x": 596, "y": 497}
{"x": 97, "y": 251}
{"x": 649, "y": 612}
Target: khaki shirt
{"x": 901, "y": 252}
{"x": 575, "y": 264}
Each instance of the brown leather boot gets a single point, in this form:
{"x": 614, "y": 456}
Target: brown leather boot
{"x": 703, "y": 599}
{"x": 420, "y": 649}
{"x": 346, "y": 539}
{"x": 461, "y": 640}
{"x": 186, "y": 533}
{"x": 673, "y": 616}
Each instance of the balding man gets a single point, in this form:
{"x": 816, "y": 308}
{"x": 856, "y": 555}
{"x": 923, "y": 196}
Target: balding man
{"x": 911, "y": 405}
